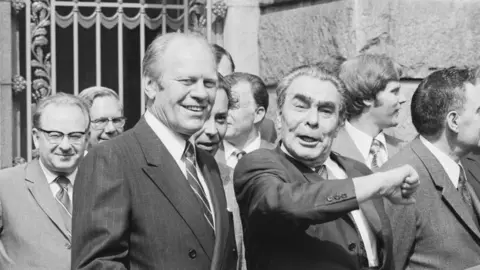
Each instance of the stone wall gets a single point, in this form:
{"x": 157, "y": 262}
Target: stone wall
{"x": 421, "y": 35}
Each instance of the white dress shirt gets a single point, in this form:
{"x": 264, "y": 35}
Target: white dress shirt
{"x": 54, "y": 186}
{"x": 230, "y": 150}
{"x": 175, "y": 145}
{"x": 363, "y": 141}
{"x": 449, "y": 165}
{"x": 366, "y": 233}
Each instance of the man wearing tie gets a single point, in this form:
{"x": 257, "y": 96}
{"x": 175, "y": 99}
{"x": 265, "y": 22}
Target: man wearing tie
{"x": 293, "y": 218}
{"x": 374, "y": 100}
{"x": 441, "y": 230}
{"x": 150, "y": 199}
{"x": 250, "y": 104}
{"x": 36, "y": 198}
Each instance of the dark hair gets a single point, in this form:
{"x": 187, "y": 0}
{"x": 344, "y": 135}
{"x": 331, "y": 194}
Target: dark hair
{"x": 225, "y": 86}
{"x": 63, "y": 99}
{"x": 364, "y": 77}
{"x": 331, "y": 64}
{"x": 221, "y": 52}
{"x": 259, "y": 89}
{"x": 313, "y": 71}
{"x": 438, "y": 94}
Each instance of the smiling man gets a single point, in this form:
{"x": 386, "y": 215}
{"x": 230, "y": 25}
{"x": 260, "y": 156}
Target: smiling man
{"x": 150, "y": 199}
{"x": 36, "y": 198}
{"x": 293, "y": 216}
{"x": 106, "y": 113}
{"x": 374, "y": 100}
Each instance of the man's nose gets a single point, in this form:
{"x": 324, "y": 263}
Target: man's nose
{"x": 312, "y": 118}
{"x": 210, "y": 128}
{"x": 199, "y": 91}
{"x": 65, "y": 144}
{"x": 109, "y": 128}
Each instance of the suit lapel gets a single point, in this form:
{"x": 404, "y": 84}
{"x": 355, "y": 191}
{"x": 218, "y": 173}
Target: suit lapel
{"x": 37, "y": 185}
{"x": 345, "y": 146}
{"x": 163, "y": 170}
{"x": 440, "y": 179}
{"x": 214, "y": 183}
{"x": 220, "y": 155}
{"x": 393, "y": 145}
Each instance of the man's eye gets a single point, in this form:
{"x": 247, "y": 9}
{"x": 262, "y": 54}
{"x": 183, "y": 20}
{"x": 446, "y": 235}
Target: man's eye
{"x": 187, "y": 82}
{"x": 221, "y": 120}
{"x": 100, "y": 121}
{"x": 76, "y": 136}
{"x": 210, "y": 84}
{"x": 55, "y": 135}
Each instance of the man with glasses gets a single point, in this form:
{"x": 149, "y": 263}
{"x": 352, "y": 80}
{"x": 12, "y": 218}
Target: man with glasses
{"x": 36, "y": 197}
{"x": 106, "y": 113}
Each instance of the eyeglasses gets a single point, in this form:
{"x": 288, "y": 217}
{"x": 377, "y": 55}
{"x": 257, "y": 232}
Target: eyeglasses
{"x": 56, "y": 137}
{"x": 101, "y": 123}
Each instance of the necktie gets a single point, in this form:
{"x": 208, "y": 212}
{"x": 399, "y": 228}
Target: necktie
{"x": 375, "y": 149}
{"x": 465, "y": 194}
{"x": 64, "y": 202}
{"x": 192, "y": 178}
{"x": 322, "y": 171}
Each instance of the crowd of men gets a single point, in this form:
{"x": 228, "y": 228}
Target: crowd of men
{"x": 202, "y": 181}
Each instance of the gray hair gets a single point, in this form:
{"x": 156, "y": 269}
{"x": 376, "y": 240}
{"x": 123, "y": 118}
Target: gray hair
{"x": 60, "y": 99}
{"x": 156, "y": 51}
{"x": 316, "y": 72}
{"x": 91, "y": 93}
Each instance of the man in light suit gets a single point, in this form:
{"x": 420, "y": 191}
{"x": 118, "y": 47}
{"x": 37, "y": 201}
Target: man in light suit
{"x": 293, "y": 218}
{"x": 150, "y": 199}
{"x": 35, "y": 198}
{"x": 440, "y": 231}
{"x": 374, "y": 100}
{"x": 245, "y": 117}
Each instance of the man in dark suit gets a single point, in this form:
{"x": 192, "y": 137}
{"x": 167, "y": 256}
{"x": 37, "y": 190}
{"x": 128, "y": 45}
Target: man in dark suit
{"x": 374, "y": 101}
{"x": 292, "y": 217}
{"x": 440, "y": 231}
{"x": 250, "y": 104}
{"x": 35, "y": 198}
{"x": 149, "y": 199}
{"x": 472, "y": 167}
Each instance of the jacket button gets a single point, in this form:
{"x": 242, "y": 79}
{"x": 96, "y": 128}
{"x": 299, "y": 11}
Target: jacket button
{"x": 337, "y": 197}
{"x": 329, "y": 199}
{"x": 192, "y": 254}
{"x": 68, "y": 246}
{"x": 344, "y": 196}
{"x": 352, "y": 246}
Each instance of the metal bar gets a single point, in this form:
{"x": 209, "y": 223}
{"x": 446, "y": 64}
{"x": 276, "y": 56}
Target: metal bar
{"x": 209, "y": 20}
{"x": 28, "y": 50}
{"x": 116, "y": 5}
{"x": 185, "y": 16}
{"x": 142, "y": 53}
{"x": 75, "y": 50}
{"x": 53, "y": 47}
{"x": 164, "y": 17}
{"x": 120, "y": 54}
{"x": 98, "y": 48}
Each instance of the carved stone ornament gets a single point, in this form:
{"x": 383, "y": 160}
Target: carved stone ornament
{"x": 18, "y": 84}
{"x": 197, "y": 16}
{"x": 219, "y": 9}
{"x": 18, "y": 161}
{"x": 18, "y": 5}
{"x": 41, "y": 66}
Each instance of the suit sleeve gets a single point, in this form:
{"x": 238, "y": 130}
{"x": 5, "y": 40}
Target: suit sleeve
{"x": 264, "y": 192}
{"x": 100, "y": 213}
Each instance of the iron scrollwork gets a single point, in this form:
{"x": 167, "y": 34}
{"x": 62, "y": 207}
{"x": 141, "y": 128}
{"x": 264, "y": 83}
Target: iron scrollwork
{"x": 18, "y": 5}
{"x": 198, "y": 14}
{"x": 41, "y": 61}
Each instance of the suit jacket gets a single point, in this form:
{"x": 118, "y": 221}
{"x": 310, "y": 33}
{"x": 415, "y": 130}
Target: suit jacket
{"x": 471, "y": 164}
{"x": 33, "y": 234}
{"x": 437, "y": 232}
{"x": 220, "y": 155}
{"x": 268, "y": 131}
{"x": 293, "y": 219}
{"x": 134, "y": 209}
{"x": 345, "y": 146}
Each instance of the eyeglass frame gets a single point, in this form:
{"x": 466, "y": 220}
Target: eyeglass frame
{"x": 94, "y": 123}
{"x": 60, "y": 140}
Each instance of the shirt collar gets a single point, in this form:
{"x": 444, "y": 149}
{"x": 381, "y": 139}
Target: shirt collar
{"x": 362, "y": 140}
{"x": 174, "y": 143}
{"x": 52, "y": 176}
{"x": 252, "y": 146}
{"x": 449, "y": 165}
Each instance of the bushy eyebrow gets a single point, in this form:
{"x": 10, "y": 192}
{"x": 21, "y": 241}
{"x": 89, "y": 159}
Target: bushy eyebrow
{"x": 308, "y": 100}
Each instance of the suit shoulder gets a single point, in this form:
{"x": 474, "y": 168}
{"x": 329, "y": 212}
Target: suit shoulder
{"x": 352, "y": 163}
{"x": 392, "y": 140}
{"x": 404, "y": 156}
{"x": 12, "y": 172}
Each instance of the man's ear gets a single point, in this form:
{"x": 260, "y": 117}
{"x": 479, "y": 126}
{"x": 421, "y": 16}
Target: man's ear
{"x": 452, "y": 121}
{"x": 259, "y": 114}
{"x": 151, "y": 87}
{"x": 369, "y": 102}
{"x": 35, "y": 134}
{"x": 278, "y": 119}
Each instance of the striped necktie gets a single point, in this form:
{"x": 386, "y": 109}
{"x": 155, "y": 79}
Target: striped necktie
{"x": 375, "y": 149}
{"x": 465, "y": 194}
{"x": 64, "y": 202}
{"x": 192, "y": 178}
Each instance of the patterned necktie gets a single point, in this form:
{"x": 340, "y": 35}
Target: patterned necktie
{"x": 375, "y": 149}
{"x": 64, "y": 202}
{"x": 466, "y": 196}
{"x": 192, "y": 178}
{"x": 322, "y": 171}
